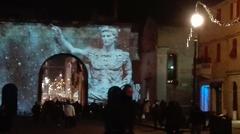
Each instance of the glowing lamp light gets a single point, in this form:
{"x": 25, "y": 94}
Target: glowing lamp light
{"x": 46, "y": 80}
{"x": 196, "y": 20}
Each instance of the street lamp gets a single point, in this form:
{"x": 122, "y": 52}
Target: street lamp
{"x": 196, "y": 21}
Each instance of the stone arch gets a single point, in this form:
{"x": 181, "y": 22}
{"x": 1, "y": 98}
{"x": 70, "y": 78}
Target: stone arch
{"x": 80, "y": 67}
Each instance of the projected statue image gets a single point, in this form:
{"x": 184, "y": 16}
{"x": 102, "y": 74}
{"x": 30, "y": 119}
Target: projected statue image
{"x": 108, "y": 66}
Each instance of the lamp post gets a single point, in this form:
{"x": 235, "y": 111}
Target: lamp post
{"x": 196, "y": 21}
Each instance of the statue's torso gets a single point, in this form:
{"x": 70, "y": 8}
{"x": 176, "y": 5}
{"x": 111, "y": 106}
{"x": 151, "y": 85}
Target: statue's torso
{"x": 106, "y": 70}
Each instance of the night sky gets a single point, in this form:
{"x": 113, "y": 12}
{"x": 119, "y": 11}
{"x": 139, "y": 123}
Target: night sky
{"x": 163, "y": 11}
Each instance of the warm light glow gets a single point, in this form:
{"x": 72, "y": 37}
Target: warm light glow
{"x": 196, "y": 20}
{"x": 46, "y": 80}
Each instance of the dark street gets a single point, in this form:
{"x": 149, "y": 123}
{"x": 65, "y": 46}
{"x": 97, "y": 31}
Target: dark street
{"x": 27, "y": 126}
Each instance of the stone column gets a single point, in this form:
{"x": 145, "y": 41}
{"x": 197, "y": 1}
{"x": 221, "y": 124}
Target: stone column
{"x": 162, "y": 73}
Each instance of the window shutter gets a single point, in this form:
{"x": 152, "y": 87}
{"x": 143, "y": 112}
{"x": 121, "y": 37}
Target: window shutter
{"x": 206, "y": 52}
{"x": 231, "y": 11}
{"x": 238, "y": 8}
{"x": 218, "y": 59}
{"x": 233, "y": 53}
{"x": 219, "y": 17}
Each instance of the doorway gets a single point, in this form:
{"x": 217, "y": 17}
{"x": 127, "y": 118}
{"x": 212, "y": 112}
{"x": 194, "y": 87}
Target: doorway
{"x": 235, "y": 101}
{"x": 205, "y": 98}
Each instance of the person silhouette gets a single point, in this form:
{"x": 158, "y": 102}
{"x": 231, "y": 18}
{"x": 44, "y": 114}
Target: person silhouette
{"x": 8, "y": 109}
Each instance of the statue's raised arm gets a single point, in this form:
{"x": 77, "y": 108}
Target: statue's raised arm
{"x": 128, "y": 69}
{"x": 62, "y": 41}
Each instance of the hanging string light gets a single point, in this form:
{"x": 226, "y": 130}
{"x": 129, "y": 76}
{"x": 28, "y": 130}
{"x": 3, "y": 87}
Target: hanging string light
{"x": 189, "y": 37}
{"x": 212, "y": 19}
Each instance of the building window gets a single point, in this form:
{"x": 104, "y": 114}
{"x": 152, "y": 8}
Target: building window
{"x": 206, "y": 52}
{"x": 233, "y": 53}
{"x": 238, "y": 8}
{"x": 218, "y": 57}
{"x": 234, "y": 7}
{"x": 219, "y": 15}
{"x": 172, "y": 68}
{"x": 231, "y": 11}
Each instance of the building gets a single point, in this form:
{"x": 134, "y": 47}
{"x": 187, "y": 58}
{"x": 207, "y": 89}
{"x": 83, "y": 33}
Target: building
{"x": 174, "y": 65}
{"x": 218, "y": 67}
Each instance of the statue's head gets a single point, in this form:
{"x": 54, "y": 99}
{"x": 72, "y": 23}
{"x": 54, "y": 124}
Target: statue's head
{"x": 109, "y": 35}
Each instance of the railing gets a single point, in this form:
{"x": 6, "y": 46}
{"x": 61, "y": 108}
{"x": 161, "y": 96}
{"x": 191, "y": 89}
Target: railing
{"x": 203, "y": 60}
{"x": 204, "y": 68}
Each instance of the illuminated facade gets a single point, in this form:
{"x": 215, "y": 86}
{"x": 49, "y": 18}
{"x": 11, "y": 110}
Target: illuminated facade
{"x": 218, "y": 59}
{"x": 25, "y": 47}
{"x": 107, "y": 66}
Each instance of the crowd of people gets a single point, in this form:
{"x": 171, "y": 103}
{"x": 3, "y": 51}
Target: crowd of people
{"x": 59, "y": 113}
{"x": 119, "y": 113}
{"x": 171, "y": 117}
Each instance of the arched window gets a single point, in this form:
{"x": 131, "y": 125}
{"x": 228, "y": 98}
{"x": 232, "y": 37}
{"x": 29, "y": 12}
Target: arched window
{"x": 233, "y": 53}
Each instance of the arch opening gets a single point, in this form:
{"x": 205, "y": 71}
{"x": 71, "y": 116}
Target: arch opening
{"x": 63, "y": 77}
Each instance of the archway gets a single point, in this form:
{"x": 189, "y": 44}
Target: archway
{"x": 62, "y": 77}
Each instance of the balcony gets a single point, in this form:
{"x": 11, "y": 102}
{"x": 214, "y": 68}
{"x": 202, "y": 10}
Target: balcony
{"x": 204, "y": 67}
{"x": 203, "y": 60}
